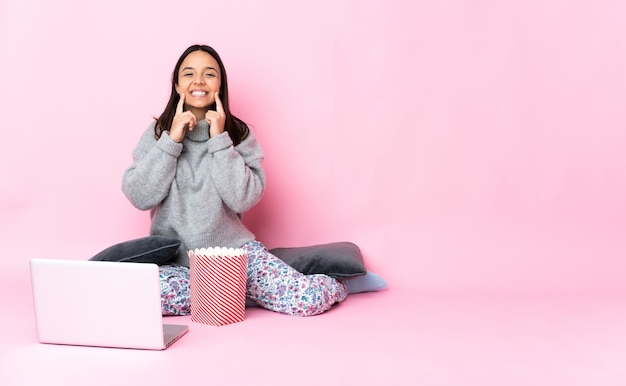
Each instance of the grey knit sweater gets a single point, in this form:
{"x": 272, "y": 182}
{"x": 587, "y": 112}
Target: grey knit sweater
{"x": 196, "y": 190}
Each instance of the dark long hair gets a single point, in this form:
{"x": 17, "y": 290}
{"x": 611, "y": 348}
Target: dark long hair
{"x": 236, "y": 128}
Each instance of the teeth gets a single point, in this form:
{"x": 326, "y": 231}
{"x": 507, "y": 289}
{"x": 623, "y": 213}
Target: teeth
{"x": 198, "y": 93}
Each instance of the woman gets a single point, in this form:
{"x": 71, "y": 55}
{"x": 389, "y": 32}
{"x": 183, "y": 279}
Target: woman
{"x": 197, "y": 168}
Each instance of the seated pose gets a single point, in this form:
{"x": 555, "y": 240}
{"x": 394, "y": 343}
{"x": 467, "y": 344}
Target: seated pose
{"x": 197, "y": 168}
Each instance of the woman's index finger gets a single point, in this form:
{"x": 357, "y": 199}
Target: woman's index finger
{"x": 181, "y": 103}
{"x": 218, "y": 103}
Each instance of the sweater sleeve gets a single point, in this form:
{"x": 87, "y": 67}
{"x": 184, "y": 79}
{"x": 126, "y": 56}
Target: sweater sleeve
{"x": 236, "y": 171}
{"x": 148, "y": 179}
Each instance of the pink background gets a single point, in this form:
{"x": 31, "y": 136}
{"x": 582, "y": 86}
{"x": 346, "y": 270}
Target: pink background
{"x": 463, "y": 145}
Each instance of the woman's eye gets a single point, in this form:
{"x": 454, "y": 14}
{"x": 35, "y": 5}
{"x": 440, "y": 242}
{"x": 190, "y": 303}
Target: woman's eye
{"x": 188, "y": 74}
{"x": 210, "y": 75}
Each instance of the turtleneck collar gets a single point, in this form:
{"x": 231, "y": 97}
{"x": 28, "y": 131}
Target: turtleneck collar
{"x": 200, "y": 132}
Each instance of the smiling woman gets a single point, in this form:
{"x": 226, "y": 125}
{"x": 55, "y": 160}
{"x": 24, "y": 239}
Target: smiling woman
{"x": 198, "y": 195}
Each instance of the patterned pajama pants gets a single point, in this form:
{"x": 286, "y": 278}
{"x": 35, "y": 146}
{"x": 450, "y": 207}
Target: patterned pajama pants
{"x": 271, "y": 283}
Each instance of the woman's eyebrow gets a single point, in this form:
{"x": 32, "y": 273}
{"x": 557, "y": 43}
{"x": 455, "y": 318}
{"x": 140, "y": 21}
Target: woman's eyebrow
{"x": 206, "y": 68}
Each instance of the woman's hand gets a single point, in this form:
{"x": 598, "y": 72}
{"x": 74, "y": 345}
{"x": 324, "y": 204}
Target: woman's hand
{"x": 182, "y": 120}
{"x": 216, "y": 119}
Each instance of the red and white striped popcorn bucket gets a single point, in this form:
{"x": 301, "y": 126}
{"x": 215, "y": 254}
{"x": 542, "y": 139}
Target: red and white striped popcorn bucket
{"x": 218, "y": 285}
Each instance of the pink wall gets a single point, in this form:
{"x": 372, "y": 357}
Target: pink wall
{"x": 472, "y": 145}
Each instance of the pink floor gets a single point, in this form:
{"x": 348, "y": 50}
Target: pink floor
{"x": 395, "y": 337}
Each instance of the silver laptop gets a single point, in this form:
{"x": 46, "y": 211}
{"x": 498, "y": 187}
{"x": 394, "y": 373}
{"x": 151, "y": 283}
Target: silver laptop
{"x": 98, "y": 303}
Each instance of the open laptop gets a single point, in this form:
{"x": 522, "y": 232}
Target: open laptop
{"x": 100, "y": 303}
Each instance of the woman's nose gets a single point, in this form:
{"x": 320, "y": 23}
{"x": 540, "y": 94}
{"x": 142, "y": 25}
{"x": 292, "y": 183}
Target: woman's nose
{"x": 198, "y": 80}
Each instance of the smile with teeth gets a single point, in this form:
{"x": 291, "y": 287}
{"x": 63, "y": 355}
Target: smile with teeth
{"x": 199, "y": 93}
